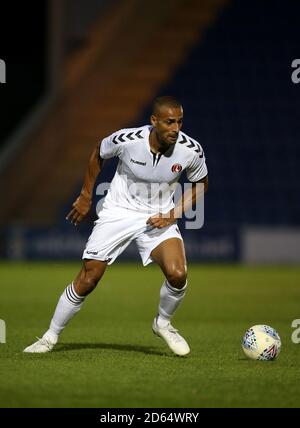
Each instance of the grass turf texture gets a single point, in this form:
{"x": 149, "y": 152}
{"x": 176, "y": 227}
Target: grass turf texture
{"x": 109, "y": 357}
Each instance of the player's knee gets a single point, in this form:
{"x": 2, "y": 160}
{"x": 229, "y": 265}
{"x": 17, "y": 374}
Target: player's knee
{"x": 177, "y": 277}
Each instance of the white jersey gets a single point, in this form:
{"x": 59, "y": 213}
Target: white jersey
{"x": 145, "y": 181}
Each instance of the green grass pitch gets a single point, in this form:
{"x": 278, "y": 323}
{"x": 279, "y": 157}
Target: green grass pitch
{"x": 109, "y": 357}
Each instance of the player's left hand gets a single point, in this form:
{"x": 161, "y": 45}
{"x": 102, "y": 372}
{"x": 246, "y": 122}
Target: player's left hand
{"x": 162, "y": 220}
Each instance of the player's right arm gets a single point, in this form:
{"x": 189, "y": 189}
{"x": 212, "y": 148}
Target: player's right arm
{"x": 107, "y": 148}
{"x": 82, "y": 205}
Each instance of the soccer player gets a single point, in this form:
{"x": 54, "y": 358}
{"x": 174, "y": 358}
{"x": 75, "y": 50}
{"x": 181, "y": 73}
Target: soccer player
{"x": 138, "y": 207}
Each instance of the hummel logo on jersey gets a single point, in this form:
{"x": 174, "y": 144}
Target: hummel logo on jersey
{"x": 176, "y": 167}
{"x": 130, "y": 136}
{"x": 192, "y": 145}
{"x": 138, "y": 162}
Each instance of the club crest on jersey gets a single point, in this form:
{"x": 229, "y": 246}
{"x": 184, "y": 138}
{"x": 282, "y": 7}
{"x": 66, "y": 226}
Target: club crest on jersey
{"x": 176, "y": 167}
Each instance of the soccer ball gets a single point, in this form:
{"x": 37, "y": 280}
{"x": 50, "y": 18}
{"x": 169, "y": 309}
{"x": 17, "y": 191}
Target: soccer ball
{"x": 261, "y": 342}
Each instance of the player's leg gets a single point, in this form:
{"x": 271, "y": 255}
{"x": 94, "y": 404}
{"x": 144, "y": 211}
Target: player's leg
{"x": 112, "y": 233}
{"x": 89, "y": 276}
{"x": 170, "y": 256}
{"x": 69, "y": 303}
{"x": 73, "y": 296}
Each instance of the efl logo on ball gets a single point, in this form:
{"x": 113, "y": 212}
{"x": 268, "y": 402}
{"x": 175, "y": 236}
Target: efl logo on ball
{"x": 176, "y": 167}
{"x": 261, "y": 342}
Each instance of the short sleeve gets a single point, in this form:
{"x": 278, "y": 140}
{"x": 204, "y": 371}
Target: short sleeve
{"x": 197, "y": 168}
{"x": 110, "y": 147}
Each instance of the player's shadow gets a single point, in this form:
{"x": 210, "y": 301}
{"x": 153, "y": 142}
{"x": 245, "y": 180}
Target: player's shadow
{"x": 65, "y": 347}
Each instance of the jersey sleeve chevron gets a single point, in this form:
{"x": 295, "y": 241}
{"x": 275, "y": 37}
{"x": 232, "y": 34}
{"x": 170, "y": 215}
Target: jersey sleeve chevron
{"x": 108, "y": 149}
{"x": 114, "y": 144}
{"x": 189, "y": 142}
{"x": 197, "y": 168}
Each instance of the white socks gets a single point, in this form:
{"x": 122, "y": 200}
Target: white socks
{"x": 68, "y": 305}
{"x": 170, "y": 299}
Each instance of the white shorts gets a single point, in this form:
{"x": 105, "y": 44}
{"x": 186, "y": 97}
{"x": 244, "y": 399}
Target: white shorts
{"x": 116, "y": 229}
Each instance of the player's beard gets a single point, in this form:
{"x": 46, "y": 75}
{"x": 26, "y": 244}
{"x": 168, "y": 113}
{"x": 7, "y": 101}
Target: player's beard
{"x": 163, "y": 145}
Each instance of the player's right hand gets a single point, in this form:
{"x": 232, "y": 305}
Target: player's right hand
{"x": 81, "y": 207}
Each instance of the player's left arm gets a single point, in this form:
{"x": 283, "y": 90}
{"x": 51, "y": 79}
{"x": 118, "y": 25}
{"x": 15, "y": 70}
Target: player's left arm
{"x": 186, "y": 201}
{"x": 190, "y": 196}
